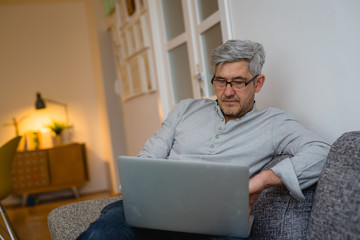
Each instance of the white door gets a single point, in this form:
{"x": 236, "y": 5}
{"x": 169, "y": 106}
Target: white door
{"x": 186, "y": 33}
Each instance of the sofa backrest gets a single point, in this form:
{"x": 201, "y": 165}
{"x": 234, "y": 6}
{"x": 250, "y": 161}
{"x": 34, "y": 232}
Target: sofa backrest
{"x": 336, "y": 207}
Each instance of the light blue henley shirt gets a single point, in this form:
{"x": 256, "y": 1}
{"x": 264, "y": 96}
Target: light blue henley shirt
{"x": 196, "y": 130}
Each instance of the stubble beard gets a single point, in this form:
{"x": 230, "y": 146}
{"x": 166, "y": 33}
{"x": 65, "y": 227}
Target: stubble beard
{"x": 235, "y": 110}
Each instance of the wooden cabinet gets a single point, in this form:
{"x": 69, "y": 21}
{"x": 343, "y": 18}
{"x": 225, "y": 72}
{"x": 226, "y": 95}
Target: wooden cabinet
{"x": 50, "y": 169}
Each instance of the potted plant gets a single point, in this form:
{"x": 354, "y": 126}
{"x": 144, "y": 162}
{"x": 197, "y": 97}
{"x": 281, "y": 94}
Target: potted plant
{"x": 57, "y": 127}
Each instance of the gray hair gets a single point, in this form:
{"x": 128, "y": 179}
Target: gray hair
{"x": 236, "y": 50}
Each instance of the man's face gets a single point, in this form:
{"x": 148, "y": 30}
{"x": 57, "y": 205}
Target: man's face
{"x": 235, "y": 104}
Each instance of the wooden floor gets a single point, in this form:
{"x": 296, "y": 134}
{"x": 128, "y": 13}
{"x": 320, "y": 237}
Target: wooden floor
{"x": 30, "y": 223}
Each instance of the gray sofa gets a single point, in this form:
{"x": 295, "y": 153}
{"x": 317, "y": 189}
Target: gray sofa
{"x": 331, "y": 209}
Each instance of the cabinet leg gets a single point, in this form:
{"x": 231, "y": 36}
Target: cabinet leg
{"x": 76, "y": 192}
{"x": 24, "y": 200}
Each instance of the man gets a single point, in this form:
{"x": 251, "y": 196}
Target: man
{"x": 230, "y": 129}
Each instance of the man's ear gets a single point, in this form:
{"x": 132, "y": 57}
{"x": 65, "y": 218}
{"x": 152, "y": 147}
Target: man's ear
{"x": 259, "y": 82}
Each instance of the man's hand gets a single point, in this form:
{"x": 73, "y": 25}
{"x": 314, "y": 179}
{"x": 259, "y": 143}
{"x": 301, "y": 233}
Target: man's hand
{"x": 259, "y": 182}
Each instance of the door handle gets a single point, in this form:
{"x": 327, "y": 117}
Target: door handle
{"x": 198, "y": 76}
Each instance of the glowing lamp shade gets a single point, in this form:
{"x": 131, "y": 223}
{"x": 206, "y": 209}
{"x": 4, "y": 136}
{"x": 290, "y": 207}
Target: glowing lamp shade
{"x": 40, "y": 104}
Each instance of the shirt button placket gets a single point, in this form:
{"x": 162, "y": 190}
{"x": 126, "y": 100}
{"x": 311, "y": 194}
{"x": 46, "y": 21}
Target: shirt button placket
{"x": 217, "y": 136}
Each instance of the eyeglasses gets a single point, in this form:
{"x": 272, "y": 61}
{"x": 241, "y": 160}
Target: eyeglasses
{"x": 236, "y": 85}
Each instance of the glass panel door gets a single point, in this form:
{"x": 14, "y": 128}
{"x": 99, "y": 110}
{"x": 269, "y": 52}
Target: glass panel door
{"x": 206, "y": 8}
{"x": 210, "y": 39}
{"x": 209, "y": 36}
{"x": 177, "y": 43}
{"x": 180, "y": 73}
{"x": 173, "y": 18}
{"x": 191, "y": 30}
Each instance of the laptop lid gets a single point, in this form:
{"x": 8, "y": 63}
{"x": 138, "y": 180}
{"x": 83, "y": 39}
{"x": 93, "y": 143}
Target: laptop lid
{"x": 186, "y": 196}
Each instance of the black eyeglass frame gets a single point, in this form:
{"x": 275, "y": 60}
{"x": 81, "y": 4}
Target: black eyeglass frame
{"x": 226, "y": 82}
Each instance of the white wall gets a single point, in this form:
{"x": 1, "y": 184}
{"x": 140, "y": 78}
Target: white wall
{"x": 312, "y": 65}
{"x": 52, "y": 47}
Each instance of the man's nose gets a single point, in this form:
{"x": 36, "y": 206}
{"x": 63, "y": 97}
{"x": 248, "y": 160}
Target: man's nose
{"x": 229, "y": 91}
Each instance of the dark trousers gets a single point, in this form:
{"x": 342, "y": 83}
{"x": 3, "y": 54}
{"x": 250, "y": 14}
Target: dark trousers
{"x": 111, "y": 225}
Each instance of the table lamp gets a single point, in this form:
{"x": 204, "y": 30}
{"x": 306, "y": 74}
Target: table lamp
{"x": 40, "y": 104}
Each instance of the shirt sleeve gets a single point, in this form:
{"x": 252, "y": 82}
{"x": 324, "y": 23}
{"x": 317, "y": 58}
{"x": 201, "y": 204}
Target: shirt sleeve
{"x": 309, "y": 153}
{"x": 159, "y": 146}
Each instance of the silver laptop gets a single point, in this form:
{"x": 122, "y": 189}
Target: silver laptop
{"x": 186, "y": 196}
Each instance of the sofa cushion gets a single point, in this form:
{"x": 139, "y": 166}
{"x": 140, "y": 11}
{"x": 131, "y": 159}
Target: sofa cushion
{"x": 278, "y": 215}
{"x": 68, "y": 221}
{"x": 336, "y": 209}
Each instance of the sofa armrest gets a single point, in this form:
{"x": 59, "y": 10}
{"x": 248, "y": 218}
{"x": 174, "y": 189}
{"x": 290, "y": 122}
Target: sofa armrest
{"x": 278, "y": 215}
{"x": 68, "y": 221}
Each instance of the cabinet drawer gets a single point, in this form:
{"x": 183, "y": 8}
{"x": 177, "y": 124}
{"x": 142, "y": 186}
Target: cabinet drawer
{"x": 30, "y": 171}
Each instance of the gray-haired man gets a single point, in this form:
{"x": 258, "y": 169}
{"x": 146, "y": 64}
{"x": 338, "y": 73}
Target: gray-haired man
{"x": 229, "y": 129}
